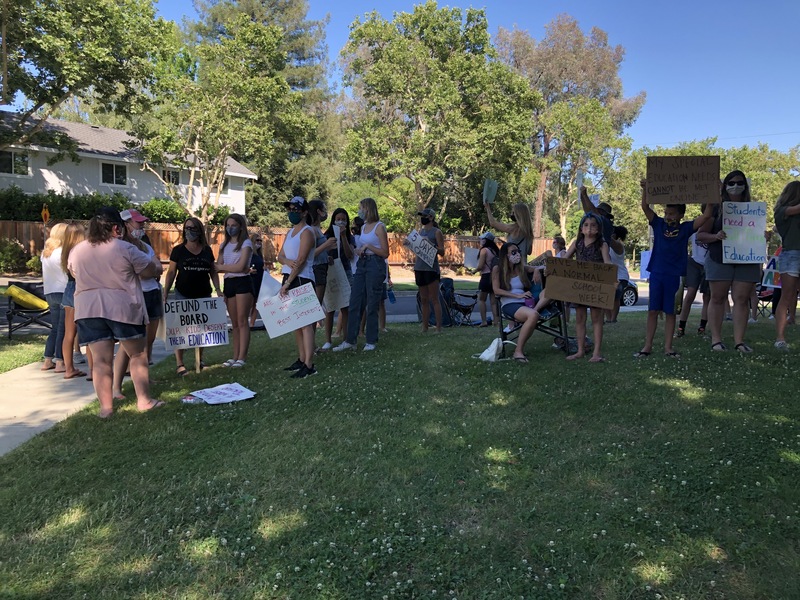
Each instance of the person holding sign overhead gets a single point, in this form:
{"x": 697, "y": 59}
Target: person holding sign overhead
{"x": 427, "y": 276}
{"x": 520, "y": 230}
{"x": 234, "y": 262}
{"x": 740, "y": 279}
{"x": 372, "y": 250}
{"x": 297, "y": 258}
{"x": 787, "y": 222}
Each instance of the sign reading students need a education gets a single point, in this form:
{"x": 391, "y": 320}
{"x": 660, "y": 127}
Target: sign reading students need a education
{"x": 744, "y": 224}
{"x": 683, "y": 180}
{"x": 587, "y": 283}
{"x": 195, "y": 323}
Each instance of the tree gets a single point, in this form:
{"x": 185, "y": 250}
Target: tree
{"x": 430, "y": 104}
{"x": 568, "y": 68}
{"x": 232, "y": 102}
{"x": 63, "y": 49}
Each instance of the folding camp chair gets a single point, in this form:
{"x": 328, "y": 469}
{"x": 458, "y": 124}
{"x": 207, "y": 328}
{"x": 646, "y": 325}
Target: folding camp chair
{"x": 552, "y": 323}
{"x": 461, "y": 308}
{"x": 26, "y": 306}
{"x": 446, "y": 292}
{"x": 764, "y": 295}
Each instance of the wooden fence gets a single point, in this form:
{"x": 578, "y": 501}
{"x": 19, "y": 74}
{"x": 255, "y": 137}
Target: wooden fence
{"x": 164, "y": 236}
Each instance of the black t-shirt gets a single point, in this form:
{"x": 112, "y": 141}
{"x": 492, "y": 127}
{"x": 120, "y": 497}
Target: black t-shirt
{"x": 194, "y": 271}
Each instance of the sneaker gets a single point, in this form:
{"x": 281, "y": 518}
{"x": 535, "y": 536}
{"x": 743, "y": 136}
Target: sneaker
{"x": 680, "y": 332}
{"x": 782, "y": 345}
{"x": 78, "y": 358}
{"x": 303, "y": 372}
{"x": 326, "y": 346}
{"x": 344, "y": 346}
{"x": 238, "y": 364}
{"x": 295, "y": 366}
{"x": 511, "y": 327}
{"x": 368, "y": 347}
{"x": 751, "y": 320}
{"x": 772, "y": 317}
{"x": 229, "y": 363}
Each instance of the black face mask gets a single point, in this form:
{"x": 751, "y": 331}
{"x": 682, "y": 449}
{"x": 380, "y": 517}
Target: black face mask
{"x": 424, "y": 220}
{"x": 513, "y": 219}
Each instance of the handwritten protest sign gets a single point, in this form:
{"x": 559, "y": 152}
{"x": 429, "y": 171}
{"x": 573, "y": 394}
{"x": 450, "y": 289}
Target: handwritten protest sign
{"x": 772, "y": 277}
{"x": 221, "y": 394}
{"x": 683, "y": 180}
{"x": 586, "y": 283}
{"x": 297, "y": 309}
{"x": 744, "y": 224}
{"x": 471, "y": 257}
{"x": 422, "y": 248}
{"x": 540, "y": 260}
{"x": 337, "y": 289}
{"x": 195, "y": 323}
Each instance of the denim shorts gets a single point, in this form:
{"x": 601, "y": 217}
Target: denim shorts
{"x": 98, "y": 329}
{"x": 789, "y": 262}
{"x": 68, "y": 299}
{"x": 154, "y": 304}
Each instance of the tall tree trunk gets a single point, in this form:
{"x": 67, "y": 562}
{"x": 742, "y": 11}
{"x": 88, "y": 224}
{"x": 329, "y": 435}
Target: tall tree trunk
{"x": 538, "y": 208}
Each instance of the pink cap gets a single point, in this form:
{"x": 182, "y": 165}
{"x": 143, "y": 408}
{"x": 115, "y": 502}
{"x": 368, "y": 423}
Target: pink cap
{"x": 133, "y": 215}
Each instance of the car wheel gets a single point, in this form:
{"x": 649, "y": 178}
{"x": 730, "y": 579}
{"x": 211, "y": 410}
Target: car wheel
{"x": 629, "y": 297}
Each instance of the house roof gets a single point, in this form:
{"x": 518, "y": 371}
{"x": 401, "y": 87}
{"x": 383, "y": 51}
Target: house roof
{"x": 105, "y": 142}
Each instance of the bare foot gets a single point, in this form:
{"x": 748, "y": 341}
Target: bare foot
{"x": 104, "y": 414}
{"x": 576, "y": 356}
{"x": 73, "y": 374}
{"x": 118, "y": 395}
{"x": 48, "y": 365}
{"x": 149, "y": 405}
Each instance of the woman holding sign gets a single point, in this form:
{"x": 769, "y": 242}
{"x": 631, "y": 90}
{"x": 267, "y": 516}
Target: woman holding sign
{"x": 787, "y": 222}
{"x": 740, "y": 279}
{"x": 427, "y": 276}
{"x": 339, "y": 231}
{"x": 520, "y": 230}
{"x": 234, "y": 261}
{"x": 297, "y": 258}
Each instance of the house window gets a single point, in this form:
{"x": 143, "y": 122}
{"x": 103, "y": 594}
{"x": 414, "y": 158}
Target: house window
{"x": 225, "y": 187}
{"x": 114, "y": 174}
{"x": 171, "y": 177}
{"x": 13, "y": 162}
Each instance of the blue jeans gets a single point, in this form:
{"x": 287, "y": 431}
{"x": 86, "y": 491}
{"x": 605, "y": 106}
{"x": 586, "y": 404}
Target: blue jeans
{"x": 52, "y": 347}
{"x": 367, "y": 289}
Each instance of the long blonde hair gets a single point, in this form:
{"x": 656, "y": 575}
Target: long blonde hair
{"x": 55, "y": 240}
{"x": 790, "y": 196}
{"x": 522, "y": 214}
{"x": 73, "y": 235}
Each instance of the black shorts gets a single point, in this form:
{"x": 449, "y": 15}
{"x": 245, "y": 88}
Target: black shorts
{"x": 423, "y": 278}
{"x": 154, "y": 304}
{"x": 238, "y": 285}
{"x": 321, "y": 274}
{"x": 485, "y": 284}
{"x": 298, "y": 281}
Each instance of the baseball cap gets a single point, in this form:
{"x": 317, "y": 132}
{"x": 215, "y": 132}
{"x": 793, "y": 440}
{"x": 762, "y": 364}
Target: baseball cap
{"x": 605, "y": 207}
{"x": 133, "y": 215}
{"x": 297, "y": 202}
{"x": 427, "y": 212}
{"x": 110, "y": 214}
{"x": 488, "y": 236}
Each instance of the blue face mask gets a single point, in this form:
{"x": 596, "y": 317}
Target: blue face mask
{"x": 191, "y": 236}
{"x": 362, "y": 213}
{"x": 295, "y": 217}
{"x": 233, "y": 230}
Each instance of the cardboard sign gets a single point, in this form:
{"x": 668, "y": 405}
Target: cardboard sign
{"x": 297, "y": 309}
{"x": 422, "y": 248}
{"x": 195, "y": 323}
{"x": 471, "y": 257}
{"x": 586, "y": 283}
{"x": 683, "y": 180}
{"x": 744, "y": 224}
{"x": 337, "y": 289}
{"x": 541, "y": 260}
{"x": 772, "y": 277}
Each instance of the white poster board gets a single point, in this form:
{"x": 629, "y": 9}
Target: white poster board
{"x": 422, "y": 248}
{"x": 471, "y": 257}
{"x": 772, "y": 277}
{"x": 222, "y": 394}
{"x": 197, "y": 323}
{"x": 744, "y": 224}
{"x": 297, "y": 309}
{"x": 337, "y": 289}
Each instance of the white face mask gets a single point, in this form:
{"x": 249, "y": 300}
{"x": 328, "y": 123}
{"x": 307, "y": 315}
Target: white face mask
{"x": 734, "y": 190}
{"x": 341, "y": 224}
{"x": 137, "y": 234}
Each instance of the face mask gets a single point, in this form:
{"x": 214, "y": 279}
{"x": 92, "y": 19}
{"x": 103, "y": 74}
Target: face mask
{"x": 233, "y": 230}
{"x": 341, "y": 224}
{"x": 295, "y": 218}
{"x": 514, "y": 258}
{"x": 424, "y": 220}
{"x": 191, "y": 236}
{"x": 362, "y": 214}
{"x": 137, "y": 234}
{"x": 323, "y": 217}
{"x": 513, "y": 219}
{"x": 734, "y": 190}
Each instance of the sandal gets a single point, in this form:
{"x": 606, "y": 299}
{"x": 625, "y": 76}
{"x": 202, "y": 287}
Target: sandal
{"x": 521, "y": 359}
{"x": 672, "y": 354}
{"x": 238, "y": 364}
{"x": 718, "y": 347}
{"x": 641, "y": 354}
{"x": 181, "y": 371}
{"x": 597, "y": 359}
{"x": 743, "y": 348}
{"x": 229, "y": 363}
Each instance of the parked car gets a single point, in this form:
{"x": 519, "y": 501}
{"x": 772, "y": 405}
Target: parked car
{"x": 630, "y": 295}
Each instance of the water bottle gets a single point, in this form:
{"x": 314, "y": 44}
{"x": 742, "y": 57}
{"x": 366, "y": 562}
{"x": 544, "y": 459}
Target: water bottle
{"x": 392, "y": 297}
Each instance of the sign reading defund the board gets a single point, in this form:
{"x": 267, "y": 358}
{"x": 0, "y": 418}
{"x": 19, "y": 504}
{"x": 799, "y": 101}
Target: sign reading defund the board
{"x": 195, "y": 323}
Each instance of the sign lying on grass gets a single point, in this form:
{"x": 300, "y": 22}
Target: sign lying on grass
{"x": 222, "y": 394}
{"x": 586, "y": 283}
{"x": 282, "y": 314}
{"x": 744, "y": 224}
{"x": 195, "y": 323}
{"x": 683, "y": 180}
{"x": 422, "y": 248}
{"x": 772, "y": 277}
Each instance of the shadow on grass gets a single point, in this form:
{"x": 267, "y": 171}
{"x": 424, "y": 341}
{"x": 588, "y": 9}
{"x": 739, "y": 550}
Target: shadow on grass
{"x": 417, "y": 469}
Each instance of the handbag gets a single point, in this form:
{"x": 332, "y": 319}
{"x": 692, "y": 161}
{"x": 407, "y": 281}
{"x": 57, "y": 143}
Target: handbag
{"x": 493, "y": 352}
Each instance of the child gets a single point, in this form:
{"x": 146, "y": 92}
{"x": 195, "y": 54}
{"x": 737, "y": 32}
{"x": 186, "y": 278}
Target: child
{"x": 589, "y": 247}
{"x": 668, "y": 262}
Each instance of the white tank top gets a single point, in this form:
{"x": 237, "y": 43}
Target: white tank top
{"x": 619, "y": 260}
{"x": 370, "y": 238}
{"x": 291, "y": 250}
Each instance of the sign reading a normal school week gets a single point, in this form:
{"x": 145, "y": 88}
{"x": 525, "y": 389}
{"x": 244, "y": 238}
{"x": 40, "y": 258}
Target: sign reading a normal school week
{"x": 744, "y": 224}
{"x": 587, "y": 283}
{"x": 683, "y": 180}
{"x": 195, "y": 323}
{"x": 422, "y": 248}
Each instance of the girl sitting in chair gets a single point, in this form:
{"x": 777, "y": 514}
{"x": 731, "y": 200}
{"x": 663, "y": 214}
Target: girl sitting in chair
{"x": 512, "y": 286}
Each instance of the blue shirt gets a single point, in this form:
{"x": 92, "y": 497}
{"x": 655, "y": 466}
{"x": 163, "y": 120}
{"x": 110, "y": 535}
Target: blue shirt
{"x": 670, "y": 247}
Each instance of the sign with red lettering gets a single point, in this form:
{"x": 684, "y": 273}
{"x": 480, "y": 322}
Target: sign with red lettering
{"x": 282, "y": 314}
{"x": 683, "y": 180}
{"x": 586, "y": 283}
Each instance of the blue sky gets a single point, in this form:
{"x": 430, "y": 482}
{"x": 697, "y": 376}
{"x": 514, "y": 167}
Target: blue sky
{"x": 709, "y": 67}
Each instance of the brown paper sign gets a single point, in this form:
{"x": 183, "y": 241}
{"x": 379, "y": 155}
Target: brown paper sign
{"x": 586, "y": 283}
{"x": 683, "y": 180}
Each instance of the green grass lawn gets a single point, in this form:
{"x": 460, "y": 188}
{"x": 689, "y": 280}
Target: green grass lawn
{"x": 417, "y": 471}
{"x": 21, "y": 349}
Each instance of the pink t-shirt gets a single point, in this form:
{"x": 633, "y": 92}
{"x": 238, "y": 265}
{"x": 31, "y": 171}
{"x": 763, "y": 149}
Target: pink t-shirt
{"x": 107, "y": 281}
